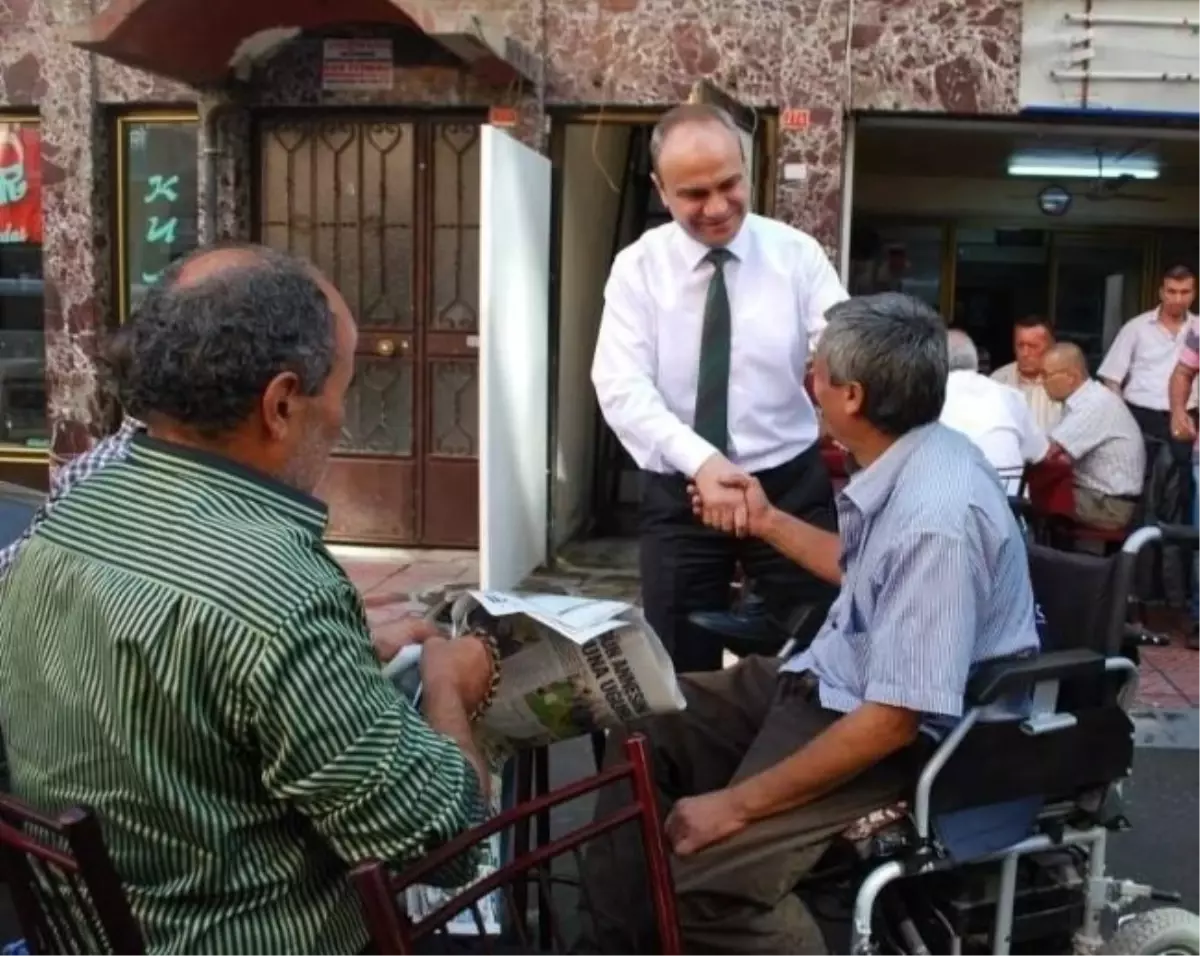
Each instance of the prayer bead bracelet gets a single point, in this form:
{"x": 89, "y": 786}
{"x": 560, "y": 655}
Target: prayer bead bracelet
{"x": 493, "y": 647}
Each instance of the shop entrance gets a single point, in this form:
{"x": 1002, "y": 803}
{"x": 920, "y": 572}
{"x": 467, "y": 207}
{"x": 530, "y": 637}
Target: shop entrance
{"x": 388, "y": 208}
{"x": 992, "y": 221}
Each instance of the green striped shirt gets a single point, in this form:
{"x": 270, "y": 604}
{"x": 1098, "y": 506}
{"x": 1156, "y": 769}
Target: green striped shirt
{"x": 182, "y": 654}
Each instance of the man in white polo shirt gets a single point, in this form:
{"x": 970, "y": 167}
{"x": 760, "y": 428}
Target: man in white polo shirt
{"x": 699, "y": 370}
{"x": 995, "y": 417}
{"x": 1140, "y": 361}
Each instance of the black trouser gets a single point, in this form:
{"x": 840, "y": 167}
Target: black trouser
{"x": 1178, "y": 573}
{"x": 1157, "y": 425}
{"x": 688, "y": 567}
{"x": 1156, "y": 428}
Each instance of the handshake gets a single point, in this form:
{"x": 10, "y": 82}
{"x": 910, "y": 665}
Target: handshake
{"x": 726, "y": 498}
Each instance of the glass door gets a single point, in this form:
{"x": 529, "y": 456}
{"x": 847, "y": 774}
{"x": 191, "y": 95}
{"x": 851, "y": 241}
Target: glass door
{"x": 1001, "y": 275}
{"x": 1098, "y": 284}
{"x": 897, "y": 257}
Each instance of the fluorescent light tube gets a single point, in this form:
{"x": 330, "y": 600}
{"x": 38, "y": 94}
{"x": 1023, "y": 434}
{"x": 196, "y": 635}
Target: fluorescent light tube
{"x": 1050, "y": 169}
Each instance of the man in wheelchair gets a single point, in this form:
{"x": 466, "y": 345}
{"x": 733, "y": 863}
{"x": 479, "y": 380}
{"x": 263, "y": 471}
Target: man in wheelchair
{"x": 772, "y": 759}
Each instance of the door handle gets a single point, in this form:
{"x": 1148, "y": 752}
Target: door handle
{"x": 389, "y": 347}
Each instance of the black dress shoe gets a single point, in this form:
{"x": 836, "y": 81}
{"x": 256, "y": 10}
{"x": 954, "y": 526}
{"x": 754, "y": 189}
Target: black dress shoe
{"x": 745, "y": 631}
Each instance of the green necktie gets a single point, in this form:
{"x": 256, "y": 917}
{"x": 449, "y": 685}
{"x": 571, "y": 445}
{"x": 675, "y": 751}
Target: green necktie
{"x": 712, "y": 384}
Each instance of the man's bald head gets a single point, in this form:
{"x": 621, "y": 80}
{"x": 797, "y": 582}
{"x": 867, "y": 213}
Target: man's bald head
{"x": 1064, "y": 370}
{"x": 213, "y": 260}
{"x": 687, "y": 118}
{"x": 1067, "y": 355}
{"x": 221, "y": 323}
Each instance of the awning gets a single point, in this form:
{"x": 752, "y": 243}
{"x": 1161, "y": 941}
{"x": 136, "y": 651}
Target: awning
{"x": 198, "y": 41}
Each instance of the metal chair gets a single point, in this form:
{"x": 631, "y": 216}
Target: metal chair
{"x": 65, "y": 889}
{"x": 395, "y": 931}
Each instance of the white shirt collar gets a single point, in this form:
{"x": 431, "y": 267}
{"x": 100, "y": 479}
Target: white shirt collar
{"x": 696, "y": 251}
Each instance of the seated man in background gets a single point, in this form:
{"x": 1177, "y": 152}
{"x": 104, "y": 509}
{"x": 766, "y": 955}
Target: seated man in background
{"x": 1032, "y": 336}
{"x": 1100, "y": 438}
{"x": 183, "y": 655}
{"x": 771, "y": 759}
{"x": 994, "y": 416}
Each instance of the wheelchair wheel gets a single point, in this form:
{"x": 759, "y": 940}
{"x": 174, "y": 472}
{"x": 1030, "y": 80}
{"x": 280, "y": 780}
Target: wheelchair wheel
{"x": 1157, "y": 933}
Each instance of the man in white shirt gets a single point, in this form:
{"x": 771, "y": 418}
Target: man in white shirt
{"x": 1140, "y": 361}
{"x": 1032, "y": 336}
{"x": 994, "y": 416}
{"x": 699, "y": 370}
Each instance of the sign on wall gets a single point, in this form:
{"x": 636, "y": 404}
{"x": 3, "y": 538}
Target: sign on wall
{"x": 1110, "y": 55}
{"x": 357, "y": 65}
{"x": 161, "y": 202}
{"x": 20, "y": 183}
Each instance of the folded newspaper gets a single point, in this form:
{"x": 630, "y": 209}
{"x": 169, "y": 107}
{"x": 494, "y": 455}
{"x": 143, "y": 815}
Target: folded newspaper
{"x": 568, "y": 666}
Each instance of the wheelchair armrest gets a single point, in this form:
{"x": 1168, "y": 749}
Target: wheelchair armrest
{"x": 1185, "y": 534}
{"x": 998, "y": 678}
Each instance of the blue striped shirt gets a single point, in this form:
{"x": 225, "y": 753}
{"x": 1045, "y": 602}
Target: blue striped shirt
{"x": 935, "y": 579}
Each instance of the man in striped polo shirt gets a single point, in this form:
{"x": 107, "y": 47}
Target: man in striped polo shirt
{"x": 182, "y": 654}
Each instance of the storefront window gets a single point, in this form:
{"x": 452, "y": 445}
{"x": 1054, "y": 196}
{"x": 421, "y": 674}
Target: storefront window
{"x": 158, "y": 200}
{"x": 897, "y": 258}
{"x": 1000, "y": 276}
{"x": 22, "y": 324}
{"x": 1180, "y": 247}
{"x": 1098, "y": 286}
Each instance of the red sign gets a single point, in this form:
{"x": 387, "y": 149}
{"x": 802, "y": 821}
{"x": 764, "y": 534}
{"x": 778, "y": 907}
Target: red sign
{"x": 20, "y": 183}
{"x": 793, "y": 119}
{"x": 502, "y": 116}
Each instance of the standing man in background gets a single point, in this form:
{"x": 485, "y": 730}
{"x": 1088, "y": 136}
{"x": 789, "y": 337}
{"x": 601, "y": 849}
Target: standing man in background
{"x": 699, "y": 370}
{"x": 1032, "y": 336}
{"x": 1144, "y": 354}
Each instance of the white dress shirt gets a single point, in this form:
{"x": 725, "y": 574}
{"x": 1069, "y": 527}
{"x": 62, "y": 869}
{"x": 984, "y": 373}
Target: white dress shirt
{"x": 647, "y": 358}
{"x": 1142, "y": 358}
{"x": 999, "y": 422}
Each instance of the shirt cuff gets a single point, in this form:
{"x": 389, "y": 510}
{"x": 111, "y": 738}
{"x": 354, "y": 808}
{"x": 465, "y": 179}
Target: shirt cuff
{"x": 920, "y": 700}
{"x": 687, "y": 451}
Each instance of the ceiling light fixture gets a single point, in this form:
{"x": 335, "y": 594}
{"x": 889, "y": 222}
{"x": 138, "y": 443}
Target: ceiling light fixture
{"x": 1076, "y": 166}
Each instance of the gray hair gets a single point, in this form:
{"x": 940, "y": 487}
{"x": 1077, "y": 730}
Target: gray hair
{"x": 202, "y": 354}
{"x": 688, "y": 114}
{"x": 964, "y": 357}
{"x": 894, "y": 347}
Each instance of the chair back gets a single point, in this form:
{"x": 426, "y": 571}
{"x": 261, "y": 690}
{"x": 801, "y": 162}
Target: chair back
{"x": 394, "y": 931}
{"x": 65, "y": 889}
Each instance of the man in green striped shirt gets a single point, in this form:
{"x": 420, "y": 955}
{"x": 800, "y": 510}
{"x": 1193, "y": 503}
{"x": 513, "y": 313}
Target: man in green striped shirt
{"x": 182, "y": 654}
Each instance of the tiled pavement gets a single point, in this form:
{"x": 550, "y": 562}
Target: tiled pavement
{"x": 394, "y": 583}
{"x": 1169, "y": 677}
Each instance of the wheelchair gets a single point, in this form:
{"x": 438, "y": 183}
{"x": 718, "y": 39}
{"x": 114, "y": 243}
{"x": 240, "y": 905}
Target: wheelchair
{"x": 1002, "y": 846}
